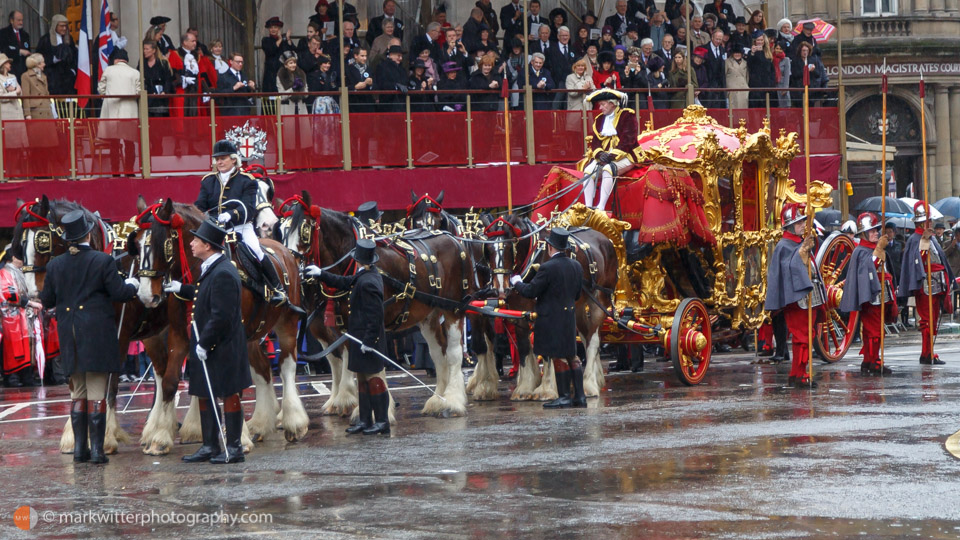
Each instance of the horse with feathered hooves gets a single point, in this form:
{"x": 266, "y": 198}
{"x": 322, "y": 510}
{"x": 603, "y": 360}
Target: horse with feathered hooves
{"x": 36, "y": 243}
{"x": 164, "y": 254}
{"x": 518, "y": 253}
{"x": 425, "y": 212}
{"x": 426, "y": 284}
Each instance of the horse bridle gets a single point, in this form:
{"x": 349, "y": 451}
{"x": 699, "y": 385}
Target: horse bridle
{"x": 42, "y": 238}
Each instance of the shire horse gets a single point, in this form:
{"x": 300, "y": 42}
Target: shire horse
{"x": 36, "y": 242}
{"x": 432, "y": 297}
{"x": 164, "y": 253}
{"x": 517, "y": 254}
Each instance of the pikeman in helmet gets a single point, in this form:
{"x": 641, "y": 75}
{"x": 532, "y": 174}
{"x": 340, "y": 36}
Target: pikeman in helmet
{"x": 862, "y": 290}
{"x": 230, "y": 197}
{"x": 913, "y": 279}
{"x": 612, "y": 149}
{"x": 789, "y": 284}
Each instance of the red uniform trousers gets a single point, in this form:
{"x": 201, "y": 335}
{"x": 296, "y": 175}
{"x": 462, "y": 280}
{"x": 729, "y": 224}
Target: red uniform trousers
{"x": 796, "y": 318}
{"x": 923, "y": 315}
{"x": 870, "y": 332}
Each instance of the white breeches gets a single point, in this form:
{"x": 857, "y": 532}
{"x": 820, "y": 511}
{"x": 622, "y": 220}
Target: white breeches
{"x": 607, "y": 181}
{"x": 249, "y": 237}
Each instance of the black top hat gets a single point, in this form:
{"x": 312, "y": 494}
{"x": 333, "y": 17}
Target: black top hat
{"x": 365, "y": 252}
{"x": 394, "y": 49}
{"x": 159, "y": 19}
{"x": 740, "y": 20}
{"x": 558, "y": 238}
{"x": 211, "y": 233}
{"x": 75, "y": 226}
{"x": 368, "y": 211}
{"x": 274, "y": 21}
{"x": 224, "y": 148}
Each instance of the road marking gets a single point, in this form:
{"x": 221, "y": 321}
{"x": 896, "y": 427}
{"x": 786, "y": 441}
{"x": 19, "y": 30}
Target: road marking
{"x": 13, "y": 409}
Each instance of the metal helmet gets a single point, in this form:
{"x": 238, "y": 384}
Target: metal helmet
{"x": 849, "y": 226}
{"x": 867, "y": 221}
{"x": 920, "y": 212}
{"x": 791, "y": 213}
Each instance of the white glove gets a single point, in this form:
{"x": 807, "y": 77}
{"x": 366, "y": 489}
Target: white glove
{"x": 223, "y": 218}
{"x": 172, "y": 287}
{"x": 312, "y": 271}
{"x": 188, "y": 81}
{"x": 365, "y": 349}
{"x": 514, "y": 280}
{"x": 133, "y": 281}
{"x": 201, "y": 353}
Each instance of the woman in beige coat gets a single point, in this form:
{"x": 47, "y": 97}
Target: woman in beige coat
{"x": 42, "y": 135}
{"x": 123, "y": 135}
{"x": 14, "y": 132}
{"x": 580, "y": 81}
{"x": 737, "y": 77}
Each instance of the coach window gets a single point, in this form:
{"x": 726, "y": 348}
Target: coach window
{"x": 877, "y": 8}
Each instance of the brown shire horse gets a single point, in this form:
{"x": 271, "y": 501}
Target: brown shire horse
{"x": 165, "y": 253}
{"x": 596, "y": 254}
{"x": 440, "y": 271}
{"x": 36, "y": 242}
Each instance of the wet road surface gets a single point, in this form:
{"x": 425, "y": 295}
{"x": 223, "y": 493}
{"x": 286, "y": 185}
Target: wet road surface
{"x": 739, "y": 456}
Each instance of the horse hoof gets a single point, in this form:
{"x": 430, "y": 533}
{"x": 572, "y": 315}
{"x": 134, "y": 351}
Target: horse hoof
{"x": 156, "y": 449}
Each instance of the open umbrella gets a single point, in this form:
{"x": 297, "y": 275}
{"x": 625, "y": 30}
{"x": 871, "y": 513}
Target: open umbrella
{"x": 934, "y": 212}
{"x": 830, "y": 218}
{"x": 822, "y": 30}
{"x": 900, "y": 222}
{"x": 949, "y": 206}
{"x": 894, "y": 206}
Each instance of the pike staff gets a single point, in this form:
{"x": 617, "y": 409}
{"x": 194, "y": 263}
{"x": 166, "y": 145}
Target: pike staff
{"x": 926, "y": 203}
{"x": 883, "y": 205}
{"x": 809, "y": 227}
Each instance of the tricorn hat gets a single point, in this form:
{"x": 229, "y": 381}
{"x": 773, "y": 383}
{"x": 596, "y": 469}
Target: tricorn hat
{"x": 559, "y": 238}
{"x": 75, "y": 226}
{"x": 610, "y": 94}
{"x": 211, "y": 233}
{"x": 224, "y": 148}
{"x": 365, "y": 252}
{"x": 368, "y": 211}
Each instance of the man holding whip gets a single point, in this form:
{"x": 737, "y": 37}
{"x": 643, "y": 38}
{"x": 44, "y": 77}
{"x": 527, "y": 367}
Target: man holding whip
{"x": 218, "y": 366}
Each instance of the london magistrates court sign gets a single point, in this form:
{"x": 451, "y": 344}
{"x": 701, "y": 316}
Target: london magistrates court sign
{"x": 913, "y": 69}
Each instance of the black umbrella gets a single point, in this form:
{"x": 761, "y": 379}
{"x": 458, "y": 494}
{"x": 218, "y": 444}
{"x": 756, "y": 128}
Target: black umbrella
{"x": 949, "y": 206}
{"x": 830, "y": 218}
{"x": 872, "y": 204}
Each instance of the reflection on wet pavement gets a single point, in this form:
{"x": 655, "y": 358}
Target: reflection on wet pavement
{"x": 739, "y": 456}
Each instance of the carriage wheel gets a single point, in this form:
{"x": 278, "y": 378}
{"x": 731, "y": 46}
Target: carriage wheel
{"x": 690, "y": 344}
{"x": 834, "y": 336}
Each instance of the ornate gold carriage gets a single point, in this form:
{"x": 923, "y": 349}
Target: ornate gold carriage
{"x": 677, "y": 286}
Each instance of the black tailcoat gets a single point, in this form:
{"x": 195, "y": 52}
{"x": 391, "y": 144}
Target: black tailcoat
{"x": 83, "y": 285}
{"x": 11, "y": 47}
{"x": 556, "y": 286}
{"x": 217, "y": 311}
{"x": 366, "y": 317}
{"x": 241, "y": 186}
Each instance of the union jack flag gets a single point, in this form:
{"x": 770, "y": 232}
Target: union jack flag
{"x": 105, "y": 42}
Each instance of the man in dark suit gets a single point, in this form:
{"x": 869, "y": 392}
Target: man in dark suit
{"x": 541, "y": 80}
{"x": 619, "y": 21}
{"x": 534, "y": 18}
{"x": 666, "y": 50}
{"x": 560, "y": 60}
{"x": 365, "y": 324}
{"x": 359, "y": 81}
{"x": 15, "y": 43}
{"x": 511, "y": 20}
{"x": 218, "y": 345}
{"x": 716, "y": 65}
{"x": 233, "y": 81}
{"x": 375, "y": 28}
{"x": 428, "y": 41}
{"x": 83, "y": 286}
{"x": 556, "y": 286}
{"x": 391, "y": 76}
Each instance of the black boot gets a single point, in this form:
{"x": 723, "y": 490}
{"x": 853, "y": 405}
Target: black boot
{"x": 273, "y": 281}
{"x": 78, "y": 420}
{"x": 499, "y": 366}
{"x": 563, "y": 391}
{"x": 233, "y": 418}
{"x": 97, "y": 426}
{"x": 210, "y": 432}
{"x": 880, "y": 369}
{"x": 26, "y": 377}
{"x": 380, "y": 403}
{"x": 365, "y": 418}
{"x": 12, "y": 381}
{"x": 579, "y": 398}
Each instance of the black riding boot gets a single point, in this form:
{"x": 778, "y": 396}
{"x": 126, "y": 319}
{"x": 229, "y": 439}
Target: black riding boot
{"x": 12, "y": 381}
{"x": 233, "y": 418}
{"x": 78, "y": 420}
{"x": 563, "y": 391}
{"x": 780, "y": 338}
{"x": 380, "y": 403}
{"x": 210, "y": 432}
{"x": 97, "y": 426}
{"x": 365, "y": 418}
{"x": 273, "y": 281}
{"x": 579, "y": 398}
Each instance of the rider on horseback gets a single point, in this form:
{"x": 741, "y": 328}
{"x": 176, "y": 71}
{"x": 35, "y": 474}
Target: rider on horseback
{"x": 230, "y": 196}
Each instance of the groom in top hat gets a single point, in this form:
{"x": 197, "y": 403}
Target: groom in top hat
{"x": 556, "y": 286}
{"x": 366, "y": 324}
{"x": 83, "y": 286}
{"x": 913, "y": 279}
{"x": 219, "y": 341}
{"x": 369, "y": 215}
